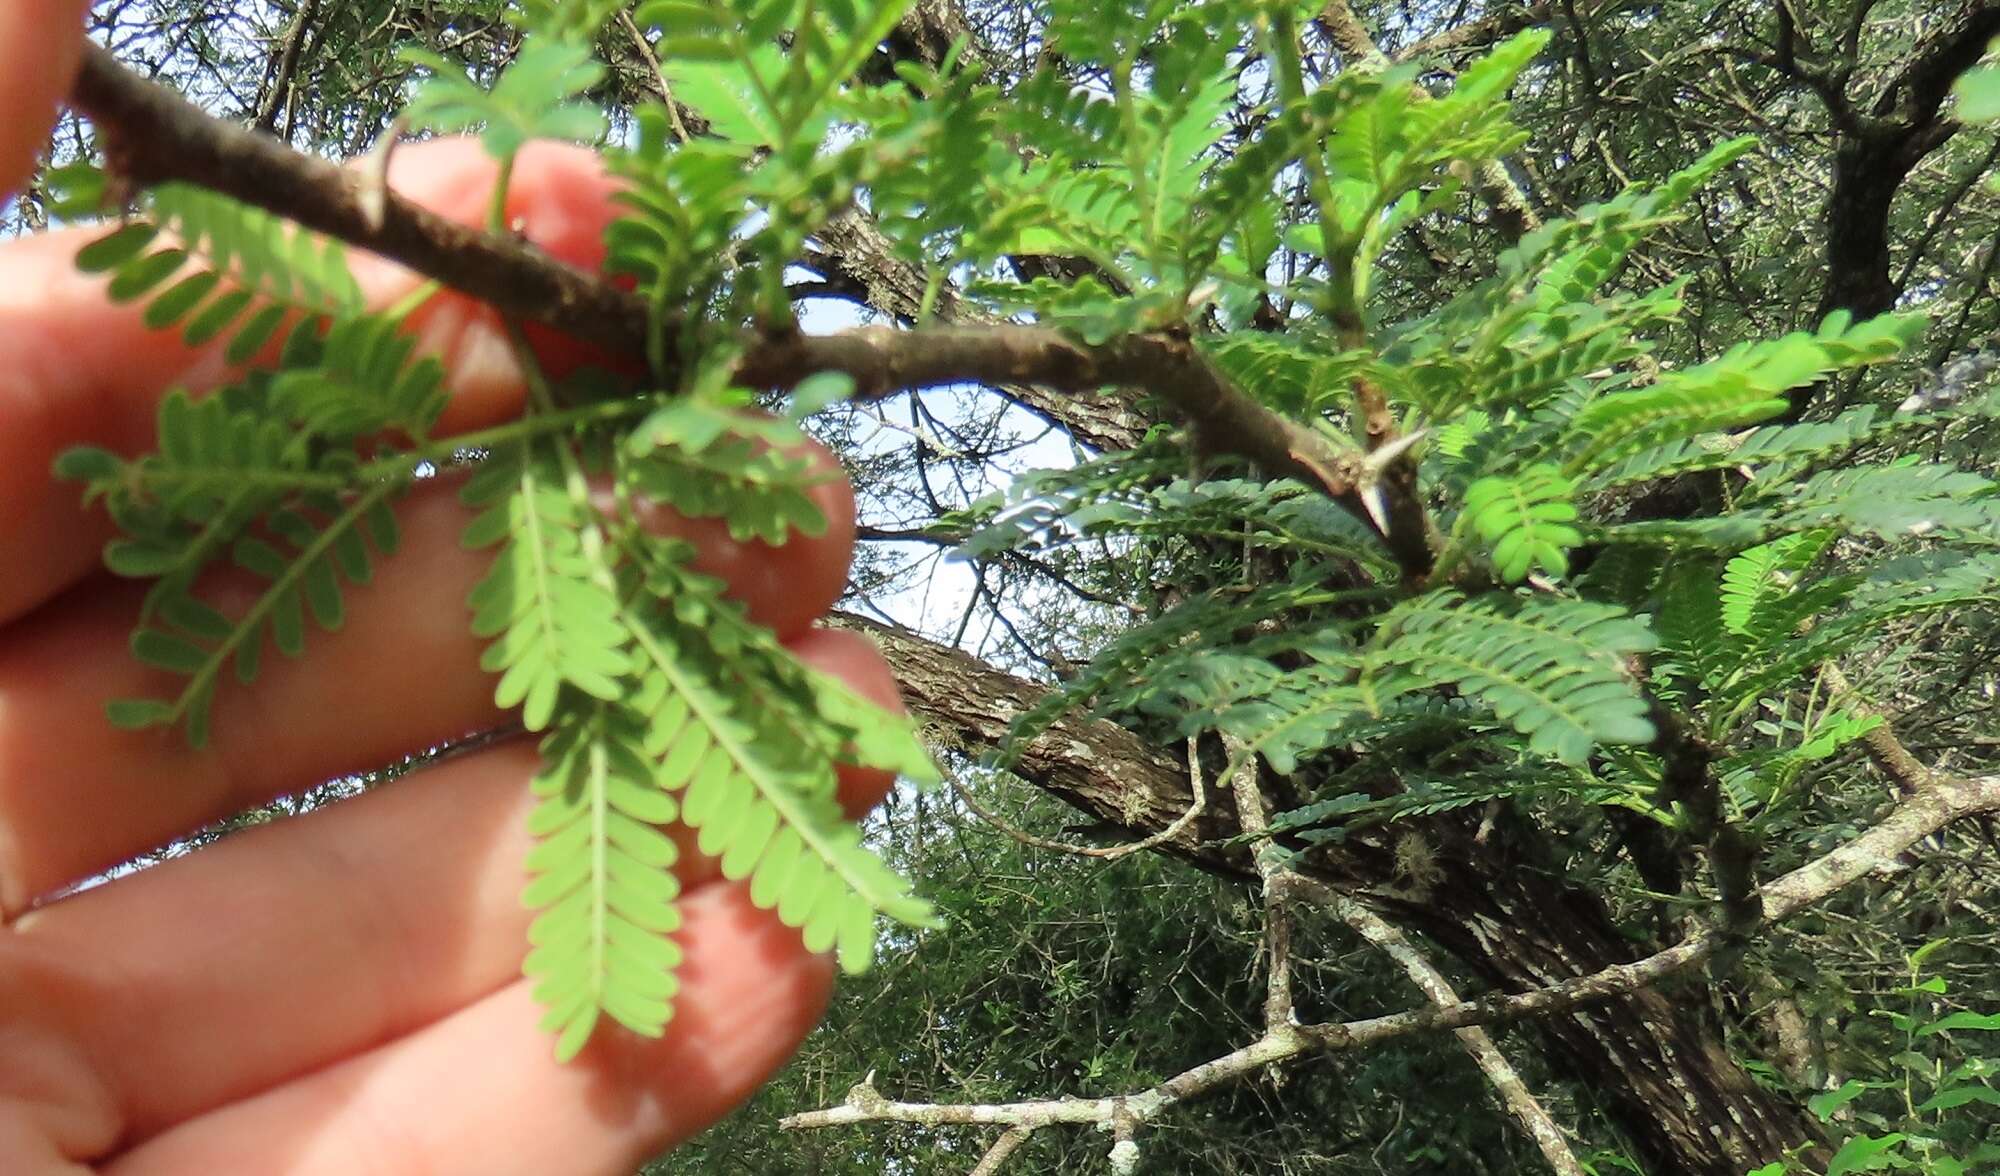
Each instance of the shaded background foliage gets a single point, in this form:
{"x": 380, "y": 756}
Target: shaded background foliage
{"x": 1061, "y": 974}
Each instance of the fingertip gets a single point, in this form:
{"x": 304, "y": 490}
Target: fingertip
{"x": 559, "y": 198}
{"x": 786, "y": 586}
{"x": 861, "y": 789}
{"x": 559, "y": 195}
{"x": 41, "y": 42}
{"x": 494, "y": 1098}
{"x": 855, "y": 660}
{"x": 750, "y": 992}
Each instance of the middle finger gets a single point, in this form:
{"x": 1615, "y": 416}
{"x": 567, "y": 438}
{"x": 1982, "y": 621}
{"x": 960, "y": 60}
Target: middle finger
{"x": 77, "y": 796}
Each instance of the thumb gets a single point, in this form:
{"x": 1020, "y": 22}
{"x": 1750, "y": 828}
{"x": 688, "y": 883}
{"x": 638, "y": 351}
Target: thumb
{"x": 40, "y": 42}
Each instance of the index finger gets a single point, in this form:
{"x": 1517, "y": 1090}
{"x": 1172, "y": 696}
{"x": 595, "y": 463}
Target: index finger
{"x": 80, "y": 370}
{"x": 40, "y": 41}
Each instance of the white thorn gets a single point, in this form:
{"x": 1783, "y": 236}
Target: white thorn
{"x": 1372, "y": 467}
{"x": 1379, "y": 460}
{"x": 372, "y": 189}
{"x": 1377, "y": 501}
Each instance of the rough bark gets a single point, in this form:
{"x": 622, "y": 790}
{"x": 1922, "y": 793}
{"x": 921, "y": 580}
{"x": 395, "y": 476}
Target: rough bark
{"x": 1657, "y": 1058}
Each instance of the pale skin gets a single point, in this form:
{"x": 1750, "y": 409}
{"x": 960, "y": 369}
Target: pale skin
{"x": 340, "y": 992}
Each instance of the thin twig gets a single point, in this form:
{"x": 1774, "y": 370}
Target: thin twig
{"x": 1009, "y": 1142}
{"x": 1280, "y": 882}
{"x": 652, "y": 61}
{"x": 1269, "y": 857}
{"x": 1197, "y": 784}
{"x": 1884, "y": 747}
{"x": 285, "y": 75}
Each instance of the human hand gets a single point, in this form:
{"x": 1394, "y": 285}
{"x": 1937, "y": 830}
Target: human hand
{"x": 339, "y": 991}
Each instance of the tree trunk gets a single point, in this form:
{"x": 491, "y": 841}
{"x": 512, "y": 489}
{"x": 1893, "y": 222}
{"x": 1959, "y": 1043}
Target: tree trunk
{"x": 1657, "y": 1060}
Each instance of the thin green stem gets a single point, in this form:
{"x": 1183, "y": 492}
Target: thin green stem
{"x": 1135, "y": 155}
{"x": 407, "y": 305}
{"x": 496, "y": 209}
{"x": 757, "y": 83}
{"x": 250, "y": 625}
{"x": 442, "y": 449}
{"x": 542, "y": 397}
{"x": 600, "y": 866}
{"x": 794, "y": 810}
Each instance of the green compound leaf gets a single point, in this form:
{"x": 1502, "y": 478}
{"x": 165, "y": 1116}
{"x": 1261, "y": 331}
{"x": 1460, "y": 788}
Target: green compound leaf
{"x": 250, "y": 270}
{"x": 234, "y": 481}
{"x": 766, "y": 806}
{"x": 1527, "y": 521}
{"x": 1746, "y": 385}
{"x": 1550, "y": 667}
{"x": 533, "y": 99}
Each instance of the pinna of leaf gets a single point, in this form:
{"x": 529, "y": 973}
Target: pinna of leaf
{"x": 656, "y": 697}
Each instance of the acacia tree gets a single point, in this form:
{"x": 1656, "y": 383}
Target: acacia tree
{"x": 1406, "y": 547}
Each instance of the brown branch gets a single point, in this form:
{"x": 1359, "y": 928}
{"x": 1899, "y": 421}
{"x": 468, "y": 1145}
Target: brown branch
{"x": 658, "y": 75}
{"x": 1269, "y": 859}
{"x": 1905, "y": 770}
{"x": 1506, "y": 1081}
{"x": 1197, "y": 784}
{"x": 1477, "y": 34}
{"x": 286, "y": 73}
{"x": 1281, "y": 884}
{"x": 1103, "y": 768}
{"x": 1502, "y": 920}
{"x": 1874, "y": 156}
{"x": 1844, "y": 116}
{"x": 881, "y": 360}
{"x": 857, "y": 251}
{"x": 1918, "y": 90}
{"x": 941, "y": 537}
{"x": 1341, "y": 26}
{"x": 1788, "y": 36}
{"x": 1009, "y": 1142}
{"x": 153, "y": 135}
